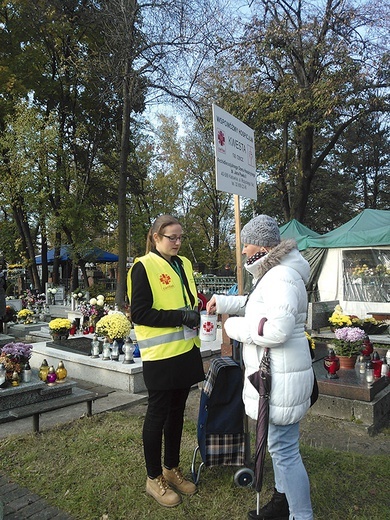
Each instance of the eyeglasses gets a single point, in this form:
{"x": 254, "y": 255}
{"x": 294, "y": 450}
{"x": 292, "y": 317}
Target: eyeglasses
{"x": 174, "y": 238}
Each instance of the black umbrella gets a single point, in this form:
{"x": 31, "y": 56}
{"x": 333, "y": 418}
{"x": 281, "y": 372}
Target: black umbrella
{"x": 261, "y": 380}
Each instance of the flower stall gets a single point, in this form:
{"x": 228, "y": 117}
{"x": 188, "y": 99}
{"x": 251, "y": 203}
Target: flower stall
{"x": 351, "y": 264}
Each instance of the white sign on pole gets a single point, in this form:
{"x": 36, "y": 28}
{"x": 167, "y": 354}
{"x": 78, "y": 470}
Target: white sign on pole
{"x": 234, "y": 155}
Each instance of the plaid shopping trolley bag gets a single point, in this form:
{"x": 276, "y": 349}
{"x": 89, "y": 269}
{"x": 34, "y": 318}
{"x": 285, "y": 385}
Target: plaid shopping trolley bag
{"x": 220, "y": 429}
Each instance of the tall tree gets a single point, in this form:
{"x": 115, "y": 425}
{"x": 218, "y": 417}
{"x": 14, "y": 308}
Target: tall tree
{"x": 51, "y": 57}
{"x": 364, "y": 153}
{"x": 301, "y": 75}
{"x": 152, "y": 49}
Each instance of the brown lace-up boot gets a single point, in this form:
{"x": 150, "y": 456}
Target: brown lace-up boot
{"x": 175, "y": 479}
{"x": 159, "y": 489}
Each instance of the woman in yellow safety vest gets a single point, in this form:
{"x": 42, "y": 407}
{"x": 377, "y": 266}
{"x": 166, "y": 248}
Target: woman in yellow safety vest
{"x": 164, "y": 310}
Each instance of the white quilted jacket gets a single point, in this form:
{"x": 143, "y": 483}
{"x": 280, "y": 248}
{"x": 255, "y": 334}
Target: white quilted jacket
{"x": 280, "y": 297}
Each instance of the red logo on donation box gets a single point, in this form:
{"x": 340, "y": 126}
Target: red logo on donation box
{"x": 208, "y": 326}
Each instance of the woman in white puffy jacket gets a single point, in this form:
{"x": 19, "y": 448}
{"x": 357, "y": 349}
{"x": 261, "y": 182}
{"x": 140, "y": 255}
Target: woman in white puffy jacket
{"x": 273, "y": 315}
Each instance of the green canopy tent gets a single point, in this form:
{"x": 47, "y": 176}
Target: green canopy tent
{"x": 294, "y": 229}
{"x": 302, "y": 234}
{"x": 352, "y": 264}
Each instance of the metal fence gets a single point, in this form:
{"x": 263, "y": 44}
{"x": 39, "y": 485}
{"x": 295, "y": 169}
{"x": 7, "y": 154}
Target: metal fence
{"x": 215, "y": 284}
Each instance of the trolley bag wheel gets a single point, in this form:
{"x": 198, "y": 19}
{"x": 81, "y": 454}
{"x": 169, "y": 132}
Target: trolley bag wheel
{"x": 244, "y": 477}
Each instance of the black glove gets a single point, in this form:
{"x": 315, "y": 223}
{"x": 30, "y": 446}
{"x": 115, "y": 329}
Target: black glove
{"x": 190, "y": 319}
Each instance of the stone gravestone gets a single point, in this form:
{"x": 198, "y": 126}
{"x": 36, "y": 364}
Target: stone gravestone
{"x": 59, "y": 296}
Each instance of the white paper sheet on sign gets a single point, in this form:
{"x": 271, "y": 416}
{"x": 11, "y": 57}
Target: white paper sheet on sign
{"x": 234, "y": 155}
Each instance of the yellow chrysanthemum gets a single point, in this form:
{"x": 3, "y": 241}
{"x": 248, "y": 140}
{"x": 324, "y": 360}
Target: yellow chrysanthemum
{"x": 114, "y": 325}
{"x": 59, "y": 325}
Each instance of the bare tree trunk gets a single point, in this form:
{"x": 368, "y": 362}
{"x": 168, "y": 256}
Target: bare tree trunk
{"x": 25, "y": 233}
{"x": 120, "y": 295}
{"x": 56, "y": 260}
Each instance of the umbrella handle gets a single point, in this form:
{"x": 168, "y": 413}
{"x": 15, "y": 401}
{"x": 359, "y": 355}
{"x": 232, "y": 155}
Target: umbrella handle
{"x": 257, "y": 503}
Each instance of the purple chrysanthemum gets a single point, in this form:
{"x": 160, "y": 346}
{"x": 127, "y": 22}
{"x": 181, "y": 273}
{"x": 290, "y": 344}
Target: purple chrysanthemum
{"x": 17, "y": 351}
{"x": 350, "y": 334}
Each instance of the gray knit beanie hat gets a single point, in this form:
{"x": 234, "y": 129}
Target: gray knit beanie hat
{"x": 261, "y": 231}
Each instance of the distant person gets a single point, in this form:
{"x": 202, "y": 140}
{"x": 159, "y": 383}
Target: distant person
{"x": 273, "y": 315}
{"x": 3, "y": 287}
{"x": 164, "y": 309}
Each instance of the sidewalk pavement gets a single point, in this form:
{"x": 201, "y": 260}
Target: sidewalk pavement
{"x": 18, "y": 503}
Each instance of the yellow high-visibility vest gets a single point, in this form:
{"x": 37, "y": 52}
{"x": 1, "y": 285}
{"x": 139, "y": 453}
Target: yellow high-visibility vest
{"x": 157, "y": 343}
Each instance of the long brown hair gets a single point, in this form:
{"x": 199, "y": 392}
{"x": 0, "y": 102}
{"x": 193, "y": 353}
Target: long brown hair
{"x": 158, "y": 227}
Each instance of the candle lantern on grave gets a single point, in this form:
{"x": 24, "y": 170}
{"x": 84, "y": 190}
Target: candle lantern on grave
{"x": 367, "y": 349}
{"x": 95, "y": 347}
{"x": 44, "y": 369}
{"x": 61, "y": 372}
{"x": 73, "y": 328}
{"x": 332, "y": 365}
{"x": 3, "y": 373}
{"x": 26, "y": 374}
{"x": 384, "y": 368}
{"x": 106, "y": 350}
{"x": 128, "y": 349}
{"x": 51, "y": 377}
{"x": 360, "y": 366}
{"x": 15, "y": 379}
{"x": 115, "y": 351}
{"x": 369, "y": 372}
{"x": 377, "y": 364}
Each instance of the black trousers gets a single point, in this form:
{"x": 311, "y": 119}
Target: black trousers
{"x": 164, "y": 417}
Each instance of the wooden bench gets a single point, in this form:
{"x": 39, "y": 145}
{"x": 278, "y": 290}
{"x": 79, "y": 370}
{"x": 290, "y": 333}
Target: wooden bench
{"x": 77, "y": 396}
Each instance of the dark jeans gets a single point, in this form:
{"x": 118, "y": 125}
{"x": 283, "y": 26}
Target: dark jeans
{"x": 165, "y": 415}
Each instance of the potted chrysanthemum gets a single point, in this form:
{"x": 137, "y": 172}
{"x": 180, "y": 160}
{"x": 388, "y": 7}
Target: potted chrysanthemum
{"x": 338, "y": 319}
{"x": 348, "y": 344}
{"x": 14, "y": 356}
{"x": 25, "y": 316}
{"x": 114, "y": 325}
{"x": 59, "y": 328}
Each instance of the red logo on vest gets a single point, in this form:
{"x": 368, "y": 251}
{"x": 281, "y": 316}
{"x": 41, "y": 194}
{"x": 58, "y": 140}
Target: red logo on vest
{"x": 165, "y": 279}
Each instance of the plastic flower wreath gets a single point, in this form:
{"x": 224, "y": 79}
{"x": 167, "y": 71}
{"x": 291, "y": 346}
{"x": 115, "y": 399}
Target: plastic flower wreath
{"x": 60, "y": 325}
{"x": 114, "y": 325}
